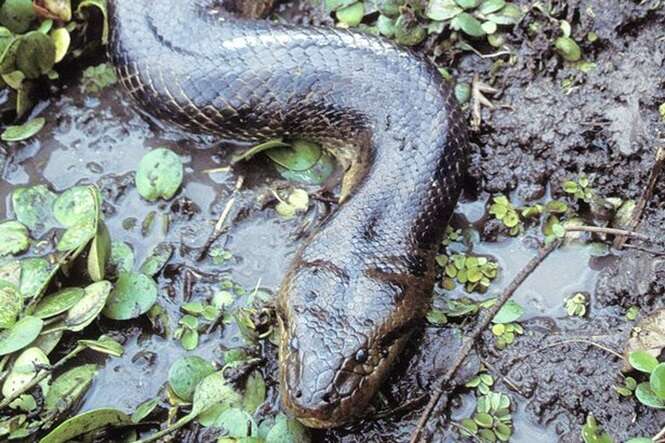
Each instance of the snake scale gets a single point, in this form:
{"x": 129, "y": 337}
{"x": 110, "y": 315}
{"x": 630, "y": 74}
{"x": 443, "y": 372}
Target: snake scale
{"x": 360, "y": 283}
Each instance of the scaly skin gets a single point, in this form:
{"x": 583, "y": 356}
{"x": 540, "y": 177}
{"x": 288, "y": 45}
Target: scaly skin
{"x": 355, "y": 289}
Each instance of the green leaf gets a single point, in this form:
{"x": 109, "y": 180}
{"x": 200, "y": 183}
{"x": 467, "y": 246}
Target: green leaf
{"x": 255, "y": 392}
{"x": 483, "y": 420}
{"x": 133, "y": 295}
{"x": 20, "y": 335}
{"x": 87, "y": 422}
{"x": 77, "y": 236}
{"x": 442, "y": 10}
{"x": 69, "y": 387}
{"x": 35, "y": 274}
{"x": 100, "y": 251}
{"x": 468, "y": 4}
{"x": 510, "y": 15}
{"x": 237, "y": 423}
{"x": 122, "y": 257}
{"x": 186, "y": 373}
{"x": 35, "y": 56}
{"x": 17, "y": 15}
{"x": 351, "y": 15}
{"x": 11, "y": 304}
{"x": 24, "y": 370}
{"x": 469, "y": 24}
{"x": 568, "y": 49}
{"x": 642, "y": 361}
{"x": 158, "y": 258}
{"x": 490, "y": 6}
{"x": 76, "y": 206}
{"x": 408, "y": 33}
{"x": 57, "y": 303}
{"x": 32, "y": 206}
{"x": 14, "y": 238}
{"x": 647, "y": 397}
{"x": 159, "y": 175}
{"x": 86, "y": 310}
{"x": 144, "y": 409}
{"x": 509, "y": 313}
{"x": 211, "y": 391}
{"x": 301, "y": 155}
{"x": 287, "y": 430}
{"x": 24, "y": 131}
{"x": 657, "y": 381}
{"x": 104, "y": 345}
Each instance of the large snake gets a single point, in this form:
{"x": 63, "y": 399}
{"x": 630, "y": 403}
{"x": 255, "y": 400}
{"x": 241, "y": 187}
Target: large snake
{"x": 362, "y": 281}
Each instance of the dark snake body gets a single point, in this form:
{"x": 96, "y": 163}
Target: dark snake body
{"x": 358, "y": 285}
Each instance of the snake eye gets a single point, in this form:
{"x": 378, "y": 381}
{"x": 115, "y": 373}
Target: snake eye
{"x": 361, "y": 356}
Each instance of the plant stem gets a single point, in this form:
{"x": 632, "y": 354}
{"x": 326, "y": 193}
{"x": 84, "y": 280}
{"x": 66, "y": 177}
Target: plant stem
{"x": 446, "y": 379}
{"x": 613, "y": 231}
{"x": 177, "y": 425}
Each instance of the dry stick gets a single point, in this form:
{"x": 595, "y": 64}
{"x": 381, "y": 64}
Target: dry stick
{"x": 646, "y": 196}
{"x": 219, "y": 226}
{"x": 647, "y": 250}
{"x": 612, "y": 231}
{"x": 589, "y": 342}
{"x": 504, "y": 378}
{"x": 470, "y": 341}
{"x": 659, "y": 436}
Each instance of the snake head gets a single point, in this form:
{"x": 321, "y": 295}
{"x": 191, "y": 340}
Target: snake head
{"x": 340, "y": 335}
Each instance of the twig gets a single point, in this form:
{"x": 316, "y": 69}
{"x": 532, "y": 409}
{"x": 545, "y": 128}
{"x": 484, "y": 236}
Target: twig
{"x": 645, "y": 197}
{"x": 589, "y": 342}
{"x": 504, "y": 378}
{"x": 478, "y": 99}
{"x": 405, "y": 407}
{"x": 612, "y": 231}
{"x": 647, "y": 250}
{"x": 471, "y": 340}
{"x": 222, "y": 219}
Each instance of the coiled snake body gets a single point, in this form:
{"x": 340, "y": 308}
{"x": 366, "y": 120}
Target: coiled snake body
{"x": 355, "y": 289}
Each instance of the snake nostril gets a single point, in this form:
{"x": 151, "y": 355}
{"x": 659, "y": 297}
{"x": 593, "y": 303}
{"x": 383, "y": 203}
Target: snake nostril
{"x": 298, "y": 393}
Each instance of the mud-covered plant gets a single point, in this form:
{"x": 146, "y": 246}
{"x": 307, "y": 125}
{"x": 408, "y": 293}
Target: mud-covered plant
{"x": 482, "y": 382}
{"x": 475, "y": 273}
{"x": 492, "y": 420}
{"x": 593, "y": 433}
{"x": 580, "y": 189}
{"x": 652, "y": 392}
{"x": 503, "y": 210}
{"x": 576, "y": 305}
{"x": 628, "y": 387}
{"x": 452, "y": 235}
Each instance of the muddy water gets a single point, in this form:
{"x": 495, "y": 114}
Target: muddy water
{"x": 101, "y": 139}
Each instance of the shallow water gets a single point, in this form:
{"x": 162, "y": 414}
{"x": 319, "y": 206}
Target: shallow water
{"x": 102, "y": 139}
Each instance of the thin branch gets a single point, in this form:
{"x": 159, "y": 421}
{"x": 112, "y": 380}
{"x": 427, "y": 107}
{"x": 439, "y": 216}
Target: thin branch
{"x": 470, "y": 341}
{"x": 645, "y": 197}
{"x": 589, "y": 342}
{"x": 612, "y": 231}
{"x": 503, "y": 378}
{"x": 655, "y": 252}
{"x": 219, "y": 226}
{"x": 660, "y": 436}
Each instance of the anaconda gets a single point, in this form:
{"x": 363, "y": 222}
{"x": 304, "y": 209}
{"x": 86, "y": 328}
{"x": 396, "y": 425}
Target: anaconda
{"x": 362, "y": 280}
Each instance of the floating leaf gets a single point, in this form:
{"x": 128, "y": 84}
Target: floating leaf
{"x": 104, "y": 345}
{"x": 287, "y": 430}
{"x": 69, "y": 387}
{"x": 144, "y": 409}
{"x": 159, "y": 175}
{"x": 11, "y": 304}
{"x": 133, "y": 295}
{"x": 568, "y": 49}
{"x": 509, "y": 313}
{"x": 77, "y": 205}
{"x": 122, "y": 257}
{"x": 442, "y": 10}
{"x": 32, "y": 206}
{"x": 211, "y": 391}
{"x": 14, "y": 238}
{"x": 469, "y": 24}
{"x": 408, "y": 33}
{"x": 58, "y": 303}
{"x": 351, "y": 15}
{"x": 238, "y": 423}
{"x": 35, "y": 56}
{"x": 158, "y": 258}
{"x": 77, "y": 236}
{"x": 255, "y": 392}
{"x": 186, "y": 373}
{"x": 100, "y": 251}
{"x": 88, "y": 308}
{"x": 87, "y": 422}
{"x": 24, "y": 370}
{"x": 35, "y": 274}
{"x": 20, "y": 335}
